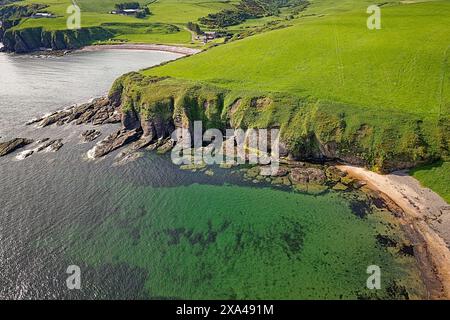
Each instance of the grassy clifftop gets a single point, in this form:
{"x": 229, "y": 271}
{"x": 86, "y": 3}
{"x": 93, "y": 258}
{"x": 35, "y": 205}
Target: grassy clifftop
{"x": 311, "y": 128}
{"x": 402, "y": 67}
{"x": 165, "y": 24}
{"x": 379, "y": 98}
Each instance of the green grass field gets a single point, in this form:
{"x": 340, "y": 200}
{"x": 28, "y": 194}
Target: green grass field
{"x": 95, "y": 13}
{"x": 403, "y": 66}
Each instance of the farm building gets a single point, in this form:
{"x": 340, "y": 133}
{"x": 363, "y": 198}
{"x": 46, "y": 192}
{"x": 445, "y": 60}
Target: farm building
{"x": 42, "y": 15}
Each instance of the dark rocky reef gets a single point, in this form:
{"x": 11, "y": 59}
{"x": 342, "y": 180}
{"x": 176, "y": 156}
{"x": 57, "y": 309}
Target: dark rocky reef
{"x": 98, "y": 111}
{"x": 12, "y": 145}
{"x": 114, "y": 141}
{"x": 90, "y": 135}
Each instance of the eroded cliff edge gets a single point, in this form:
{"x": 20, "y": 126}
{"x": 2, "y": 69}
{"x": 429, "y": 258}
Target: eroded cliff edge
{"x": 23, "y": 40}
{"x": 31, "y": 39}
{"x": 310, "y": 129}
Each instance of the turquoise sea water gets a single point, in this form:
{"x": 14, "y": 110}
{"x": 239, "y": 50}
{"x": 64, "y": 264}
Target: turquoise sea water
{"x": 147, "y": 229}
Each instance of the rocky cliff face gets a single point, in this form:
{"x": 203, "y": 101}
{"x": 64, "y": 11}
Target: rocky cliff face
{"x": 5, "y": 25}
{"x": 31, "y": 39}
{"x": 310, "y": 130}
{"x": 10, "y": 15}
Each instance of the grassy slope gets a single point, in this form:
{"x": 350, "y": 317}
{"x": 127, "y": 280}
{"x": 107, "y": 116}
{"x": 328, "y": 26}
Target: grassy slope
{"x": 337, "y": 58}
{"x": 436, "y": 177}
{"x": 95, "y": 12}
{"x": 402, "y": 69}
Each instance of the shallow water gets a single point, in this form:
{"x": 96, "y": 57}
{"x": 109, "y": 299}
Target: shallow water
{"x": 147, "y": 229}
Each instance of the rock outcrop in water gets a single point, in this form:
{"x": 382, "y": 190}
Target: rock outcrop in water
{"x": 55, "y": 145}
{"x": 307, "y": 175}
{"x": 90, "y": 135}
{"x": 98, "y": 111}
{"x": 12, "y": 145}
{"x": 43, "y": 145}
{"x": 114, "y": 141}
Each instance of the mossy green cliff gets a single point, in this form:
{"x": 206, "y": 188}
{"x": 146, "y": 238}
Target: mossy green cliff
{"x": 310, "y": 128}
{"x": 30, "y": 39}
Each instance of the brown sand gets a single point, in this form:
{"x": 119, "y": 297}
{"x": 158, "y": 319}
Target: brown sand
{"x": 425, "y": 218}
{"x": 153, "y": 47}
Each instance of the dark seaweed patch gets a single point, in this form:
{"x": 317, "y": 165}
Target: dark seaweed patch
{"x": 114, "y": 279}
{"x": 385, "y": 241}
{"x": 293, "y": 240}
{"x": 379, "y": 203}
{"x": 201, "y": 238}
{"x": 175, "y": 235}
{"x": 396, "y": 291}
{"x": 360, "y": 208}
{"x": 407, "y": 250}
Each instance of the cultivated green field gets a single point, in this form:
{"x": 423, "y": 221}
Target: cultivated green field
{"x": 96, "y": 13}
{"x": 403, "y": 66}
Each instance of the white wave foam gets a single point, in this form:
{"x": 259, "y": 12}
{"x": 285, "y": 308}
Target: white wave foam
{"x": 24, "y": 154}
{"x": 91, "y": 153}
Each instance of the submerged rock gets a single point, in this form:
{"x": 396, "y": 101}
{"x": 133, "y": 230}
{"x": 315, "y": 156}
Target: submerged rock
{"x": 307, "y": 175}
{"x": 334, "y": 174}
{"x": 12, "y": 145}
{"x": 33, "y": 121}
{"x": 281, "y": 181}
{"x": 90, "y": 135}
{"x": 124, "y": 158}
{"x": 57, "y": 117}
{"x": 340, "y": 187}
{"x": 252, "y": 172}
{"x": 166, "y": 146}
{"x": 193, "y": 166}
{"x": 358, "y": 184}
{"x": 54, "y": 146}
{"x": 281, "y": 171}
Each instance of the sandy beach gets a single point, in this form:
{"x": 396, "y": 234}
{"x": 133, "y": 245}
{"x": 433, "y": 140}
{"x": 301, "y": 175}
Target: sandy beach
{"x": 135, "y": 46}
{"x": 426, "y": 219}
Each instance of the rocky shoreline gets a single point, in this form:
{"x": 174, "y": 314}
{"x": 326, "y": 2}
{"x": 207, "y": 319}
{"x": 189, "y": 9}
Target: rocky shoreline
{"x": 137, "y": 134}
{"x": 96, "y": 112}
{"x": 13, "y": 145}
